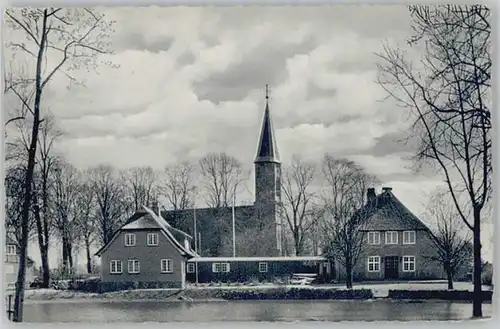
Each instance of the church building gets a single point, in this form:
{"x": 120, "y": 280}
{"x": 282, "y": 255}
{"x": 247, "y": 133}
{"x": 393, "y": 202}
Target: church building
{"x": 258, "y": 227}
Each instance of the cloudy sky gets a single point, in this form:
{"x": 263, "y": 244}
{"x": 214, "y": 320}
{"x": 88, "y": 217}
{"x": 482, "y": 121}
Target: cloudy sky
{"x": 192, "y": 80}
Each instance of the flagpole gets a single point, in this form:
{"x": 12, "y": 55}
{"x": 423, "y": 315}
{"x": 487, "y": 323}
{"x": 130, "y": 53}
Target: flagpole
{"x": 234, "y": 228}
{"x": 195, "y": 245}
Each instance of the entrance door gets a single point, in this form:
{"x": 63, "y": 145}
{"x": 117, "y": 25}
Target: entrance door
{"x": 391, "y": 266}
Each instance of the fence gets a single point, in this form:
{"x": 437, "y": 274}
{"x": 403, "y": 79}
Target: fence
{"x": 10, "y": 311}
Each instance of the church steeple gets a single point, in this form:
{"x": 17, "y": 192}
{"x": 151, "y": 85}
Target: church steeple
{"x": 268, "y": 180}
{"x": 267, "y": 150}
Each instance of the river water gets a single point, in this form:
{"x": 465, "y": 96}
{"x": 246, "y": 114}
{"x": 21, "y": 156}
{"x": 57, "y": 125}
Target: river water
{"x": 152, "y": 311}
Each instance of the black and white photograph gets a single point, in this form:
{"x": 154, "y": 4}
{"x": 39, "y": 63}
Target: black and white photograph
{"x": 247, "y": 163}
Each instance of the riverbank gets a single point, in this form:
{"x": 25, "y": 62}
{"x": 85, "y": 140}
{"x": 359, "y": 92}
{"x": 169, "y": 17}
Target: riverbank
{"x": 228, "y": 293}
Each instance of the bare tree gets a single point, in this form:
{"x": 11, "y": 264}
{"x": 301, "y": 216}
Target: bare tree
{"x": 222, "y": 175}
{"x": 178, "y": 188}
{"x": 65, "y": 196}
{"x": 86, "y": 217}
{"x": 42, "y": 186}
{"x": 14, "y": 187}
{"x": 449, "y": 94}
{"x": 452, "y": 245}
{"x": 141, "y": 183}
{"x": 109, "y": 193}
{"x": 298, "y": 200}
{"x": 344, "y": 195}
{"x": 42, "y": 180}
{"x": 178, "y": 185}
{"x": 71, "y": 38}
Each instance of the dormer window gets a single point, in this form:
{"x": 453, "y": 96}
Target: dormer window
{"x": 373, "y": 237}
{"x": 152, "y": 239}
{"x": 391, "y": 237}
{"x": 129, "y": 239}
{"x": 409, "y": 237}
{"x": 11, "y": 249}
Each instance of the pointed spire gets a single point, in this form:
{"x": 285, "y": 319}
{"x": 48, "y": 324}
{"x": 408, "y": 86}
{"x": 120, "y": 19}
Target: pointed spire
{"x": 267, "y": 150}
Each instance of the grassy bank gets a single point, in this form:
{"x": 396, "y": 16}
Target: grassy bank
{"x": 205, "y": 294}
{"x": 252, "y": 293}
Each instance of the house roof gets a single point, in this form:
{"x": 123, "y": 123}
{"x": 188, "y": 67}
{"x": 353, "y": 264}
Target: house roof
{"x": 9, "y": 240}
{"x": 387, "y": 213}
{"x": 147, "y": 219}
{"x": 140, "y": 220}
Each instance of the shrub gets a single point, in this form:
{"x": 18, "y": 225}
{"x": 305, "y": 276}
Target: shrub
{"x": 458, "y": 295}
{"x": 297, "y": 294}
{"x": 487, "y": 275}
{"x": 130, "y": 285}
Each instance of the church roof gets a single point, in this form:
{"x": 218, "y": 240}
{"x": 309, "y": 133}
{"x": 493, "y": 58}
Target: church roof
{"x": 267, "y": 150}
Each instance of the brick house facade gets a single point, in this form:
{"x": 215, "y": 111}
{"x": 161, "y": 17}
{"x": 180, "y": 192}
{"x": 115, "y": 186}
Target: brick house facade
{"x": 396, "y": 244}
{"x": 146, "y": 250}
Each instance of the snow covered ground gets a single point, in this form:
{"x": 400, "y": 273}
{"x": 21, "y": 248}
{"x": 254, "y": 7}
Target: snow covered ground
{"x": 382, "y": 290}
{"x": 379, "y": 289}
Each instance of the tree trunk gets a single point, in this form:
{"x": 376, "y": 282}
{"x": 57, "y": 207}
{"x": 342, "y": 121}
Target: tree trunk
{"x": 348, "y": 273}
{"x": 21, "y": 274}
{"x": 69, "y": 249}
{"x": 64, "y": 257}
{"x": 89, "y": 260}
{"x": 44, "y": 252}
{"x": 296, "y": 239}
{"x": 449, "y": 276}
{"x": 43, "y": 246}
{"x": 477, "y": 298}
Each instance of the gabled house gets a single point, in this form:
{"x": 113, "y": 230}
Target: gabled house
{"x": 146, "y": 250}
{"x": 397, "y": 245}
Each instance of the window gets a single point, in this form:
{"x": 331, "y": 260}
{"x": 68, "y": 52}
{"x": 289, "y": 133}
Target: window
{"x": 262, "y": 267}
{"x": 152, "y": 239}
{"x": 409, "y": 237}
{"x": 115, "y": 267}
{"x": 391, "y": 237}
{"x": 129, "y": 239}
{"x": 11, "y": 249}
{"x": 191, "y": 267}
{"x": 373, "y": 237}
{"x": 225, "y": 267}
{"x": 408, "y": 263}
{"x": 9, "y": 269}
{"x": 220, "y": 267}
{"x": 133, "y": 266}
{"x": 166, "y": 266}
{"x": 374, "y": 264}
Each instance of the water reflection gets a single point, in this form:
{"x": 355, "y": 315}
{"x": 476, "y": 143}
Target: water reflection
{"x": 158, "y": 311}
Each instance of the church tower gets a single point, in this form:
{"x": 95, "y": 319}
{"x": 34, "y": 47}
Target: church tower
{"x": 268, "y": 178}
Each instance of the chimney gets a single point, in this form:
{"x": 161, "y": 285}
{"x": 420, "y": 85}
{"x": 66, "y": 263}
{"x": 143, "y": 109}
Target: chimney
{"x": 386, "y": 189}
{"x": 371, "y": 197}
